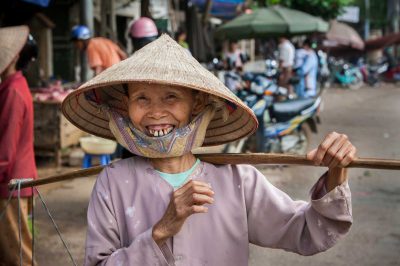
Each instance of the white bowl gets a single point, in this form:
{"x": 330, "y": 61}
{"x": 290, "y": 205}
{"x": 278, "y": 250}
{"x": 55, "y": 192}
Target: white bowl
{"x": 96, "y": 145}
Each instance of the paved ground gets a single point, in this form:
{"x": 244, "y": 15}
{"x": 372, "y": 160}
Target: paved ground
{"x": 370, "y": 116}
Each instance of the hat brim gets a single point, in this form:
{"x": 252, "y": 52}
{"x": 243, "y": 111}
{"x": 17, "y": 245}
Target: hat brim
{"x": 88, "y": 116}
{"x": 161, "y": 62}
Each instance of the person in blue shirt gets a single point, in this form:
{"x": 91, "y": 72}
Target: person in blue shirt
{"x": 307, "y": 70}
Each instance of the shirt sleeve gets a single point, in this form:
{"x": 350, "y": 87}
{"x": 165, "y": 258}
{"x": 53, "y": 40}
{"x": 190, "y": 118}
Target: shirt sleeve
{"x": 11, "y": 117}
{"x": 103, "y": 245}
{"x": 306, "y": 228}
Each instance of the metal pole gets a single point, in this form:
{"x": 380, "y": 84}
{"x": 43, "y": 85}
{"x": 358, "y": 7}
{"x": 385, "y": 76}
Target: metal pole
{"x": 87, "y": 20}
{"x": 395, "y": 17}
{"x": 366, "y": 20}
{"x": 396, "y": 24}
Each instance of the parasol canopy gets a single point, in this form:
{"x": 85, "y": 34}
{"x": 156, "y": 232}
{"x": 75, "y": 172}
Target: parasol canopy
{"x": 342, "y": 34}
{"x": 271, "y": 21}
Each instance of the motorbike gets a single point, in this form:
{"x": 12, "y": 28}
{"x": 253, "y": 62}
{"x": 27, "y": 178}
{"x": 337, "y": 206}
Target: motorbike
{"x": 284, "y": 127}
{"x": 346, "y": 74}
{"x": 393, "y": 74}
{"x": 373, "y": 73}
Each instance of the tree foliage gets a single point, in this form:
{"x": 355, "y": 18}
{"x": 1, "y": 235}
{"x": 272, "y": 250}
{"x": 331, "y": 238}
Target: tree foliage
{"x": 327, "y": 9}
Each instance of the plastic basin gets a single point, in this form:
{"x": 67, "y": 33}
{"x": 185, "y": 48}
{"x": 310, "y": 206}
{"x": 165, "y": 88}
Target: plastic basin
{"x": 96, "y": 145}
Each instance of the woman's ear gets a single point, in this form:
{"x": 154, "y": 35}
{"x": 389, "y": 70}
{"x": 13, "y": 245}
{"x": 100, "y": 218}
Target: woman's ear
{"x": 200, "y": 102}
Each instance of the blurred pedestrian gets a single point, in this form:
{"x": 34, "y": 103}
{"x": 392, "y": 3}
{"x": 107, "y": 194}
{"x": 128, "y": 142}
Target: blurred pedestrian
{"x": 234, "y": 58}
{"x": 142, "y": 31}
{"x": 307, "y": 70}
{"x": 286, "y": 62}
{"x": 101, "y": 52}
{"x": 17, "y": 160}
{"x": 180, "y": 38}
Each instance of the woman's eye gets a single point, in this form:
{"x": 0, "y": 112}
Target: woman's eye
{"x": 141, "y": 99}
{"x": 171, "y": 96}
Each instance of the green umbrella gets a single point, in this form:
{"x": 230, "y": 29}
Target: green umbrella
{"x": 272, "y": 21}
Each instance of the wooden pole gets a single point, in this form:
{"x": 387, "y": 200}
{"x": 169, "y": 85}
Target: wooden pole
{"x": 220, "y": 158}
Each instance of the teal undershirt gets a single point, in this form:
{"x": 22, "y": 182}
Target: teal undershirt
{"x": 177, "y": 180}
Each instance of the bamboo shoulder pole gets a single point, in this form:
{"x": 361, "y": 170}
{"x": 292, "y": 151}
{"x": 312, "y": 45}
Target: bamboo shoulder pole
{"x": 221, "y": 158}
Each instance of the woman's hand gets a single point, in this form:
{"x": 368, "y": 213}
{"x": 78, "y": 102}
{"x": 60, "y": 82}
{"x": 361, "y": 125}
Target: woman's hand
{"x": 335, "y": 152}
{"x": 185, "y": 201}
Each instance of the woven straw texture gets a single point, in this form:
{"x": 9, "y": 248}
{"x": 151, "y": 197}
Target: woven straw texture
{"x": 12, "y": 40}
{"x": 163, "y": 62}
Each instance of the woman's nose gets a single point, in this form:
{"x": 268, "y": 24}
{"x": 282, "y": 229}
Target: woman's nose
{"x": 157, "y": 110}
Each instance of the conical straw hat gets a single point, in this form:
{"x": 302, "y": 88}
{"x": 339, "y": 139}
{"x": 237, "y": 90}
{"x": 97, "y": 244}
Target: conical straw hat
{"x": 162, "y": 62}
{"x": 12, "y": 40}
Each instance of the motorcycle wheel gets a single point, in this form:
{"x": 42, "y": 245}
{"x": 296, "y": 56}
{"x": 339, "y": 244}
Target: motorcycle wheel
{"x": 357, "y": 83}
{"x": 300, "y": 140}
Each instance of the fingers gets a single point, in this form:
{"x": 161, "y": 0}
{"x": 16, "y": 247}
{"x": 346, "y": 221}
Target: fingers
{"x": 335, "y": 151}
{"x": 198, "y": 193}
{"x": 339, "y": 156}
{"x": 324, "y": 147}
{"x": 311, "y": 154}
{"x": 191, "y": 197}
{"x": 198, "y": 199}
{"x": 351, "y": 155}
{"x": 198, "y": 209}
{"x": 185, "y": 210}
{"x": 187, "y": 200}
{"x": 195, "y": 187}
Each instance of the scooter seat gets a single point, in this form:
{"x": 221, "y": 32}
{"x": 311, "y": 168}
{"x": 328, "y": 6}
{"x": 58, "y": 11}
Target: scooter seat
{"x": 284, "y": 111}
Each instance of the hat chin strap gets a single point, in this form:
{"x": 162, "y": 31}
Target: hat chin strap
{"x": 177, "y": 143}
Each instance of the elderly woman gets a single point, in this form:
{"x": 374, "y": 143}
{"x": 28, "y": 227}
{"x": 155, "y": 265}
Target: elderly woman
{"x": 164, "y": 206}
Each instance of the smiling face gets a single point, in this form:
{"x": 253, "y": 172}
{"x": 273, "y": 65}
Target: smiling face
{"x": 157, "y": 110}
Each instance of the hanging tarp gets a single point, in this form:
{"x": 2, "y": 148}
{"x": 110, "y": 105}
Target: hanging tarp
{"x": 381, "y": 42}
{"x": 226, "y": 9}
{"x": 42, "y": 3}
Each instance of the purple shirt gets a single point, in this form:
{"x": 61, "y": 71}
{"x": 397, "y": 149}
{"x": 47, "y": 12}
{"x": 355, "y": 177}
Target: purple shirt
{"x": 129, "y": 198}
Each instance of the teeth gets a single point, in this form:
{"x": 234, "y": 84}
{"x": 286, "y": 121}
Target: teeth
{"x": 161, "y": 132}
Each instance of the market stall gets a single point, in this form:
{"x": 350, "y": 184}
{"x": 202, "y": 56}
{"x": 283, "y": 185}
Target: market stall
{"x": 54, "y": 134}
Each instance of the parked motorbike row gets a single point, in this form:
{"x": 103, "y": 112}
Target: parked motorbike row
{"x": 354, "y": 75}
{"x": 284, "y": 123}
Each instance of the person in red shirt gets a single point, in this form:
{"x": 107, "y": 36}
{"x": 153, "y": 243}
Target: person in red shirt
{"x": 17, "y": 160}
{"x": 101, "y": 52}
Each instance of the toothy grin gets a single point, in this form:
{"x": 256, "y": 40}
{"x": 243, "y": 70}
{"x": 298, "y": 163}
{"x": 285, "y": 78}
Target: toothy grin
{"x": 161, "y": 131}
